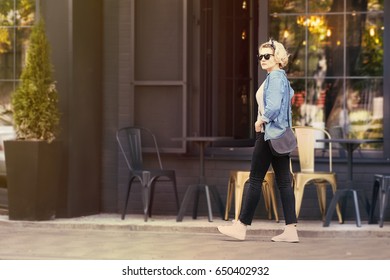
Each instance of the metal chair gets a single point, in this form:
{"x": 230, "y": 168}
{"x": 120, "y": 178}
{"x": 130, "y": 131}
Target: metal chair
{"x": 306, "y": 139}
{"x": 131, "y": 140}
{"x": 381, "y": 185}
{"x": 236, "y": 184}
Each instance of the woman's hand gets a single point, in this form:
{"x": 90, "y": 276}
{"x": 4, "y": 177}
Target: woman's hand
{"x": 258, "y": 126}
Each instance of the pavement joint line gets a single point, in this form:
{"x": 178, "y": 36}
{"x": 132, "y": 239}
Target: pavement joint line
{"x": 307, "y": 228}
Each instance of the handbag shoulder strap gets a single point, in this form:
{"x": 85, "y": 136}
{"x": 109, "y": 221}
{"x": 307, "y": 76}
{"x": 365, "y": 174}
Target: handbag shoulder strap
{"x": 288, "y": 111}
{"x": 288, "y": 102}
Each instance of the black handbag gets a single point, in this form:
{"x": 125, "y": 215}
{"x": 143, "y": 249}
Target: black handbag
{"x": 286, "y": 143}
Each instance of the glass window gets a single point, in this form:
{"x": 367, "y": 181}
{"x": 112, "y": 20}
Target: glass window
{"x": 16, "y": 19}
{"x": 364, "y": 5}
{"x": 294, "y": 6}
{"x": 291, "y": 29}
{"x": 228, "y": 66}
{"x": 336, "y": 63}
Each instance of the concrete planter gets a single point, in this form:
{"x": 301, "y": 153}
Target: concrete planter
{"x": 33, "y": 178}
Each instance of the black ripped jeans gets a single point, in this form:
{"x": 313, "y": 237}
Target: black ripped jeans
{"x": 261, "y": 159}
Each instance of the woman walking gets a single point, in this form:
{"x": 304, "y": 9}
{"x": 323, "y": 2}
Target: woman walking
{"x": 274, "y": 116}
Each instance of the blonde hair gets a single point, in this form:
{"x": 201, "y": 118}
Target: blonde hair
{"x": 280, "y": 53}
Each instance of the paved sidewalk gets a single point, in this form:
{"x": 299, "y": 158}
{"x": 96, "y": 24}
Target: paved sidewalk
{"x": 106, "y": 236}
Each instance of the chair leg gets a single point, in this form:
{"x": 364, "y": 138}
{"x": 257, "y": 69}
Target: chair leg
{"x": 127, "y": 198}
{"x": 338, "y": 211}
{"x": 152, "y": 188}
{"x": 238, "y": 194}
{"x": 176, "y": 194}
{"x": 384, "y": 193}
{"x": 385, "y": 204}
{"x": 267, "y": 198}
{"x": 298, "y": 193}
{"x": 321, "y": 195}
{"x": 241, "y": 179}
{"x": 229, "y": 197}
{"x": 374, "y": 198}
{"x": 146, "y": 183}
{"x": 270, "y": 178}
{"x": 145, "y": 199}
{"x": 382, "y": 201}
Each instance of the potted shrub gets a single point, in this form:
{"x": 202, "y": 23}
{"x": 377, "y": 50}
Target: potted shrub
{"x": 33, "y": 159}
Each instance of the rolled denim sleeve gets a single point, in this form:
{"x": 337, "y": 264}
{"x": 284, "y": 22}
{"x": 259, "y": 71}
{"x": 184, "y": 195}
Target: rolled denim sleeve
{"x": 273, "y": 97}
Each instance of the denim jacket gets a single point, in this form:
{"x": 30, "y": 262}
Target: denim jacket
{"x": 277, "y": 96}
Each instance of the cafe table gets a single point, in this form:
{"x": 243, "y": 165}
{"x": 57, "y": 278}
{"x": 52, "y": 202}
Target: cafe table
{"x": 193, "y": 191}
{"x": 349, "y": 145}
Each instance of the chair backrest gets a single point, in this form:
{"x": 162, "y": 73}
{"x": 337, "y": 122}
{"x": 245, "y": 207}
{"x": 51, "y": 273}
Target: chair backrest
{"x": 306, "y": 140}
{"x": 336, "y": 132}
{"x": 130, "y": 140}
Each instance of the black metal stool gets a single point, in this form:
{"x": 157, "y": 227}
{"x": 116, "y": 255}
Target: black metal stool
{"x": 381, "y": 186}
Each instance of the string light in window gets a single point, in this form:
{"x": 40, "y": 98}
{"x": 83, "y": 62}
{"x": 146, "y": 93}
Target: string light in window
{"x": 372, "y": 31}
{"x": 243, "y": 34}
{"x": 244, "y": 5}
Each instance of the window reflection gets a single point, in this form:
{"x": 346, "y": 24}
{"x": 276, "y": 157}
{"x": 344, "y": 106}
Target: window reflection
{"x": 336, "y": 62}
{"x": 364, "y": 5}
{"x": 293, "y": 34}
{"x": 327, "y": 45}
{"x": 282, "y": 6}
{"x": 324, "y": 6}
{"x": 365, "y": 46}
{"x": 358, "y": 110}
{"x": 16, "y": 20}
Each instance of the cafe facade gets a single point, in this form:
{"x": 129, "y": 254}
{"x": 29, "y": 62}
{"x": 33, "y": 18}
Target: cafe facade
{"x": 189, "y": 68}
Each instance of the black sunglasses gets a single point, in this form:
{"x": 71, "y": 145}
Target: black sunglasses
{"x": 266, "y": 56}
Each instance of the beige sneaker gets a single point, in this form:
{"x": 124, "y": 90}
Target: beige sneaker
{"x": 290, "y": 234}
{"x": 237, "y": 230}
